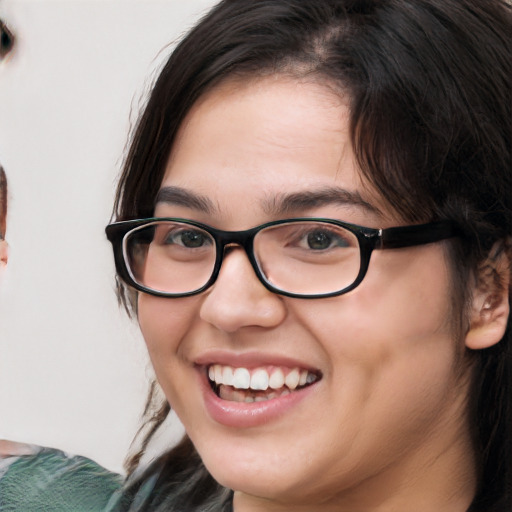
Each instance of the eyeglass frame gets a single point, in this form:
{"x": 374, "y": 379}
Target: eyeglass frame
{"x": 369, "y": 239}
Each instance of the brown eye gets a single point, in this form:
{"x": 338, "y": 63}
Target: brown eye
{"x": 192, "y": 239}
{"x": 188, "y": 238}
{"x": 319, "y": 240}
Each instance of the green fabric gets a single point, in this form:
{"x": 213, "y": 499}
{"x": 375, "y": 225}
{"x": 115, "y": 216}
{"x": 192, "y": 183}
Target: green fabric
{"x": 51, "y": 481}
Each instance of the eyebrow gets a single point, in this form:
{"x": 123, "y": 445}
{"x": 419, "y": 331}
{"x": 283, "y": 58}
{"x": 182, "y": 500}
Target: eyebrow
{"x": 182, "y": 197}
{"x": 297, "y": 201}
{"x": 282, "y": 204}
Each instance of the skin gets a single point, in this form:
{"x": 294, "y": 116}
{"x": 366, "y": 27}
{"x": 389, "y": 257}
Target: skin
{"x": 385, "y": 428}
{"x": 12, "y": 448}
{"x": 3, "y": 255}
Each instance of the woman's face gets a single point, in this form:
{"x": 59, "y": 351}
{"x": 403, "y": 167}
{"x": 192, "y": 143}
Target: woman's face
{"x": 387, "y": 405}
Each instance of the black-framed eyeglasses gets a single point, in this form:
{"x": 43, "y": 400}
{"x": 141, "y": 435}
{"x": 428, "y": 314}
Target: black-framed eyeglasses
{"x": 299, "y": 257}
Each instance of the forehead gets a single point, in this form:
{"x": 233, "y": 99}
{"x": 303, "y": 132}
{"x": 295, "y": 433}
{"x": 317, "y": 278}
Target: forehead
{"x": 253, "y": 142}
{"x": 272, "y": 113}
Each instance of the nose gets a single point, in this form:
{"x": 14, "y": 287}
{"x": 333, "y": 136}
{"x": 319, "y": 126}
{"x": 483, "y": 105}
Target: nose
{"x": 238, "y": 299}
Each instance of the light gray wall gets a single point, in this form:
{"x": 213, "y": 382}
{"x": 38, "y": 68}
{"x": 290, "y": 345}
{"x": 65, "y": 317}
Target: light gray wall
{"x": 73, "y": 369}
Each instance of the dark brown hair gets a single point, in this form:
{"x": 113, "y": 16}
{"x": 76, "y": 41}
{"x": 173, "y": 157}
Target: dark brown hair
{"x": 429, "y": 84}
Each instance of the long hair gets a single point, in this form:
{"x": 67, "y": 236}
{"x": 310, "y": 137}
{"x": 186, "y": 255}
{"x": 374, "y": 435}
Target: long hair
{"x": 429, "y": 86}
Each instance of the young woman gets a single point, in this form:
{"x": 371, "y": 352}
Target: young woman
{"x": 313, "y": 227}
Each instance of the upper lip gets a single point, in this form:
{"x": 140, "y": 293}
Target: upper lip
{"x": 250, "y": 360}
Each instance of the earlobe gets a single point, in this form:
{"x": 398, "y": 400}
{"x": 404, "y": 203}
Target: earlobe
{"x": 488, "y": 325}
{"x": 490, "y": 309}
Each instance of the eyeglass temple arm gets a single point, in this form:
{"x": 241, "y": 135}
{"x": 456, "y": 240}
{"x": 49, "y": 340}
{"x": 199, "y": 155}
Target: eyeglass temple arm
{"x": 114, "y": 234}
{"x": 409, "y": 236}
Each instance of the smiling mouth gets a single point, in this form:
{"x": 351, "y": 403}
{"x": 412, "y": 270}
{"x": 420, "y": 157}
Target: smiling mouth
{"x": 258, "y": 384}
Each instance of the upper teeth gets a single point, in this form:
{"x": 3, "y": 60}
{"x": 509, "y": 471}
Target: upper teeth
{"x": 259, "y": 378}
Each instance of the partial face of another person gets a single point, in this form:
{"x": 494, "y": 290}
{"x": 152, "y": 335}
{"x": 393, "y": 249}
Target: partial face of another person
{"x": 3, "y": 254}
{"x": 385, "y": 389}
{"x": 3, "y": 220}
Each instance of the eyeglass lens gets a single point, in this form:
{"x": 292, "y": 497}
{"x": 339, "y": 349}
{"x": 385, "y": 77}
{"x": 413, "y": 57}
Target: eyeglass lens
{"x": 305, "y": 258}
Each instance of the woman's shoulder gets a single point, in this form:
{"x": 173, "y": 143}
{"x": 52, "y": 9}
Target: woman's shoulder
{"x": 48, "y": 479}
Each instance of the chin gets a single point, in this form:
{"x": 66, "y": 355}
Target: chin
{"x": 255, "y": 475}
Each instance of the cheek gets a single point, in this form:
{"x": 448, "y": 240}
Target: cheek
{"x": 389, "y": 347}
{"x": 399, "y": 318}
{"x": 408, "y": 295}
{"x": 164, "y": 323}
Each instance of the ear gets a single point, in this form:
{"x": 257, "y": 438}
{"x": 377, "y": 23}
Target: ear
{"x": 490, "y": 308}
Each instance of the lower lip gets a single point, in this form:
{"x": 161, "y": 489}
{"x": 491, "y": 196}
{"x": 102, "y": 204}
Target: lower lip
{"x": 254, "y": 414}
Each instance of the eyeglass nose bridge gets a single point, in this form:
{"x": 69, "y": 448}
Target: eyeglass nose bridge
{"x": 228, "y": 240}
